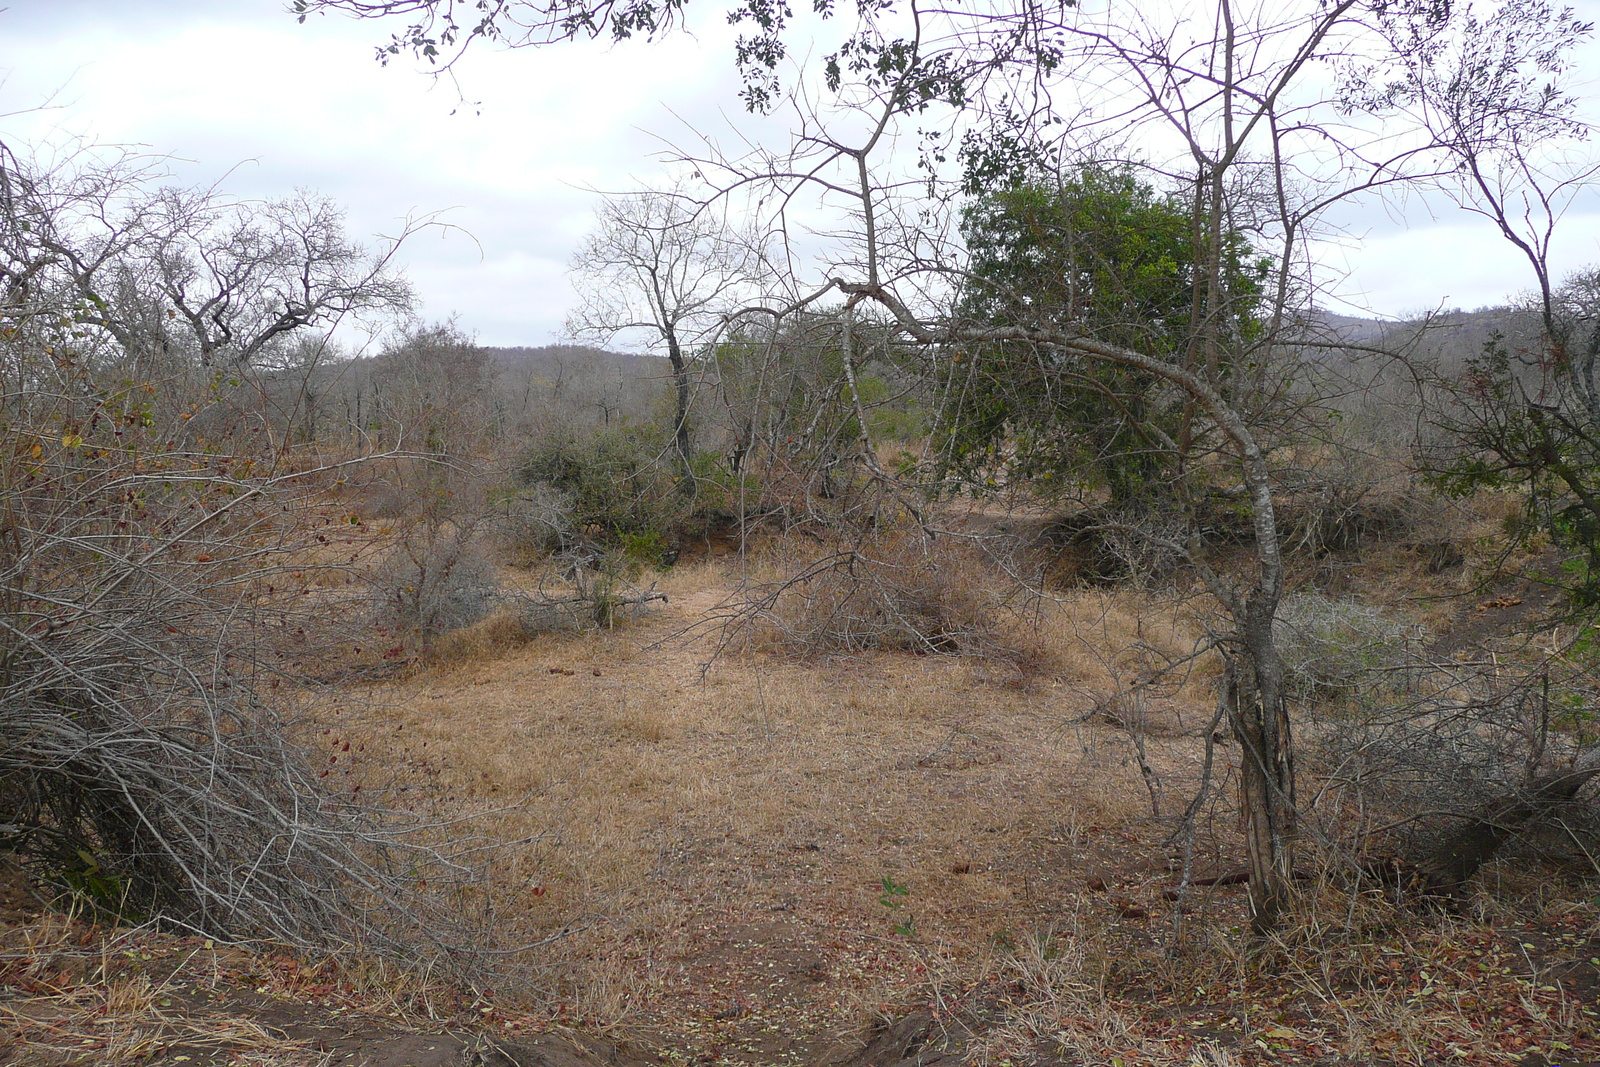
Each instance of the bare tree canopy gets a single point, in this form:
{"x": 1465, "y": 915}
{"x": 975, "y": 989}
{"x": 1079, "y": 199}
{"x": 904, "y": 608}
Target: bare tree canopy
{"x": 161, "y": 625}
{"x": 166, "y": 273}
{"x": 662, "y": 267}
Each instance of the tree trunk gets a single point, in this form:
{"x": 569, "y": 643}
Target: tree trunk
{"x": 1459, "y": 856}
{"x": 1260, "y": 719}
{"x": 680, "y": 429}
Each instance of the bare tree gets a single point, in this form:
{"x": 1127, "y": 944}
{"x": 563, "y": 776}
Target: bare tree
{"x": 243, "y": 276}
{"x": 431, "y": 389}
{"x": 662, "y": 265}
{"x": 194, "y": 274}
{"x": 1525, "y": 411}
{"x": 1491, "y": 91}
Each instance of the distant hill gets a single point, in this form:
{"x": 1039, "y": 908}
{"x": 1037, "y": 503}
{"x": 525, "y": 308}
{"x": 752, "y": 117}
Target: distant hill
{"x": 1443, "y": 341}
{"x": 551, "y": 361}
{"x": 531, "y": 388}
{"x": 1352, "y": 328}
{"x": 577, "y": 382}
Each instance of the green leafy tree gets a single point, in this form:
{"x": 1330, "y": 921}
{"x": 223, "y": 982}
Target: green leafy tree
{"x": 1098, "y": 251}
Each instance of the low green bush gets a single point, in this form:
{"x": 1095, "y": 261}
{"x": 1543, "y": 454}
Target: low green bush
{"x": 616, "y": 481}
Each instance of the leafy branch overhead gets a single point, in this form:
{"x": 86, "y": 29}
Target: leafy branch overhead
{"x": 871, "y": 55}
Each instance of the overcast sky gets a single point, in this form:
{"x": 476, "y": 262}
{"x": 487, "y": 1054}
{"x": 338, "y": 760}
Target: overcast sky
{"x": 238, "y": 84}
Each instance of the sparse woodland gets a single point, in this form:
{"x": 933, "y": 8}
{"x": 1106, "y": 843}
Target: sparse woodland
{"x": 1007, "y": 621}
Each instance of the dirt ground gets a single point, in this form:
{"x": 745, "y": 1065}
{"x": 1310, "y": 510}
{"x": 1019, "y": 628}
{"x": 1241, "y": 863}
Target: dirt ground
{"x": 767, "y": 855}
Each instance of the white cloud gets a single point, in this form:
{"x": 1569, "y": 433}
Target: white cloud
{"x": 1458, "y": 261}
{"x": 307, "y": 106}
{"x": 216, "y": 84}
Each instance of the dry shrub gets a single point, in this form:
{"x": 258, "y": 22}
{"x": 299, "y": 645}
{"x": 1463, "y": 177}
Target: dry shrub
{"x": 1462, "y": 772}
{"x": 164, "y": 625}
{"x": 1341, "y": 647}
{"x": 501, "y": 631}
{"x": 531, "y": 523}
{"x": 435, "y": 580}
{"x": 1101, "y": 546}
{"x": 1352, "y": 974}
{"x": 900, "y": 592}
{"x": 1344, "y": 504}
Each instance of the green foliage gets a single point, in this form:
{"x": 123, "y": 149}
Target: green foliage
{"x": 894, "y": 897}
{"x": 1097, "y": 252}
{"x": 617, "y": 480}
{"x": 1097, "y": 248}
{"x": 891, "y": 417}
{"x": 720, "y": 492}
{"x": 618, "y": 489}
{"x": 1529, "y": 421}
{"x": 89, "y": 883}
{"x": 647, "y": 547}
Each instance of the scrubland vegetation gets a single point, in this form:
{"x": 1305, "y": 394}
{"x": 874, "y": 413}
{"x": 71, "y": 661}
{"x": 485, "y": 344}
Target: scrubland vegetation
{"x": 1090, "y": 652}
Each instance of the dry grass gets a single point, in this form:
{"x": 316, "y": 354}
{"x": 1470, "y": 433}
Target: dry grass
{"x": 899, "y": 591}
{"x": 762, "y": 787}
{"x": 80, "y": 995}
{"x": 703, "y": 821}
{"x": 1349, "y": 980}
{"x": 709, "y": 840}
{"x": 88, "y": 1007}
{"x": 1403, "y": 577}
{"x": 495, "y": 635}
{"x": 1114, "y": 644}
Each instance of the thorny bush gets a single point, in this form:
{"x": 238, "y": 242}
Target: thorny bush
{"x": 171, "y": 583}
{"x": 1478, "y": 762}
{"x": 896, "y": 590}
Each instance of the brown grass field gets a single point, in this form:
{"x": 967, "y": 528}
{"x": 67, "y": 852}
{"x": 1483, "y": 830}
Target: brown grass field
{"x": 737, "y": 855}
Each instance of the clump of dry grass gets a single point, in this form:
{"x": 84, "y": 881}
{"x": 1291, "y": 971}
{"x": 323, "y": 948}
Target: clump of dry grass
{"x": 1111, "y": 639}
{"x": 498, "y": 633}
{"x": 74, "y": 994}
{"x": 78, "y": 995}
{"x": 519, "y": 612}
{"x": 900, "y": 591}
